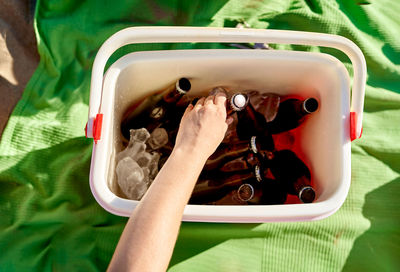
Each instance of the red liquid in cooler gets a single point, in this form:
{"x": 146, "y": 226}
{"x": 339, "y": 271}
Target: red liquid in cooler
{"x": 291, "y": 140}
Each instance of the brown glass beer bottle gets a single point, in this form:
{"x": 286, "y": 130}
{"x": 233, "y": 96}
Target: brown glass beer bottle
{"x": 156, "y": 109}
{"x": 294, "y": 174}
{"x": 209, "y": 190}
{"x": 291, "y": 113}
{"x": 226, "y": 152}
{"x": 252, "y": 192}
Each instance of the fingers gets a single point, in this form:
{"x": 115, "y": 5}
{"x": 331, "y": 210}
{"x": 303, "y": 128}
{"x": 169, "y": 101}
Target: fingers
{"x": 200, "y": 103}
{"x": 188, "y": 109}
{"x": 220, "y": 96}
{"x": 218, "y": 90}
{"x": 220, "y": 99}
{"x": 209, "y": 100}
{"x": 217, "y": 96}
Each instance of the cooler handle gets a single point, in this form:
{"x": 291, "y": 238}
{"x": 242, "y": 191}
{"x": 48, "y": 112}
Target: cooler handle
{"x": 134, "y": 35}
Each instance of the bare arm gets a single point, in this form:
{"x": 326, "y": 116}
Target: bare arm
{"x": 148, "y": 239}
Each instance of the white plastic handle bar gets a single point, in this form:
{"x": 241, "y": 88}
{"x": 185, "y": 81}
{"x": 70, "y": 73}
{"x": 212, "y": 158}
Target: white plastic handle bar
{"x": 224, "y": 35}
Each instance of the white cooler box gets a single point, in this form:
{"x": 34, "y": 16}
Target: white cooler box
{"x": 325, "y": 138}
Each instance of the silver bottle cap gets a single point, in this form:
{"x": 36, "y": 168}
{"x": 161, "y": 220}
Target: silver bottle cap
{"x": 311, "y": 196}
{"x": 253, "y": 146}
{"x": 183, "y": 85}
{"x": 257, "y": 172}
{"x": 245, "y": 192}
{"x": 238, "y": 102}
{"x": 310, "y": 105}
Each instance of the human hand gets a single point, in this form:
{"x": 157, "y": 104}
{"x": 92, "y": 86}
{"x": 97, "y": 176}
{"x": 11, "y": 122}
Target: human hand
{"x": 203, "y": 126}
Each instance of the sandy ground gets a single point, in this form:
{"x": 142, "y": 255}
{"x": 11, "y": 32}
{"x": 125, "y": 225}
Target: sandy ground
{"x": 18, "y": 53}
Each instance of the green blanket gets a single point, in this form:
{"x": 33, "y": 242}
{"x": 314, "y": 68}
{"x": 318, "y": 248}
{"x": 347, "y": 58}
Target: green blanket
{"x": 49, "y": 218}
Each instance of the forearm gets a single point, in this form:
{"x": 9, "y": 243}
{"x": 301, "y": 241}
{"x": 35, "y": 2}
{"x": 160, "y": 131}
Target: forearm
{"x": 149, "y": 237}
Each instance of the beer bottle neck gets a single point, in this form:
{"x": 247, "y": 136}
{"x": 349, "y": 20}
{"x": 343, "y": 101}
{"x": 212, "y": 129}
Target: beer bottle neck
{"x": 303, "y": 107}
{"x": 237, "y": 102}
{"x": 304, "y": 190}
{"x": 181, "y": 87}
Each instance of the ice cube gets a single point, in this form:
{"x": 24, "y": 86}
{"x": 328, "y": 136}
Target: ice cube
{"x": 132, "y": 180}
{"x": 150, "y": 162}
{"x": 132, "y": 150}
{"x": 153, "y": 166}
{"x": 136, "y": 144}
{"x": 146, "y": 178}
{"x": 158, "y": 138}
{"x": 143, "y": 159}
{"x": 139, "y": 135}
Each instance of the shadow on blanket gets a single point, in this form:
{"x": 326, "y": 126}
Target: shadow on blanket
{"x": 374, "y": 251}
{"x": 50, "y": 219}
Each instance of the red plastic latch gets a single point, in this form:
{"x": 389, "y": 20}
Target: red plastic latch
{"x": 353, "y": 126}
{"x": 97, "y": 124}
